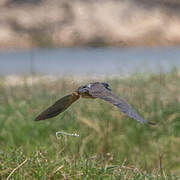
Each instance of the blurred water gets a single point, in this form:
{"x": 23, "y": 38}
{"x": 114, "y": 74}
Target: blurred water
{"x": 89, "y": 61}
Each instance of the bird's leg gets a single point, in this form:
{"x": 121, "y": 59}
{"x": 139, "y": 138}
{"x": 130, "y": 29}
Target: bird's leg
{"x": 75, "y": 94}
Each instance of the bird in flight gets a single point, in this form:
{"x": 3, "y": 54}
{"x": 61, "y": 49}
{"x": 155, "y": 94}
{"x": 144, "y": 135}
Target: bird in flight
{"x": 92, "y": 90}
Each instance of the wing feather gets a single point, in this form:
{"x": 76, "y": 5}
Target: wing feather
{"x": 98, "y": 91}
{"x": 58, "y": 107}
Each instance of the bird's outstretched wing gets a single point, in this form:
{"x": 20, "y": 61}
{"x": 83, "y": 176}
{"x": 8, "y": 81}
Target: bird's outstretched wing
{"x": 58, "y": 107}
{"x": 99, "y": 91}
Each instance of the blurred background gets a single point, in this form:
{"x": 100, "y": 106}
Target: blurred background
{"x": 102, "y": 37}
{"x": 48, "y": 48}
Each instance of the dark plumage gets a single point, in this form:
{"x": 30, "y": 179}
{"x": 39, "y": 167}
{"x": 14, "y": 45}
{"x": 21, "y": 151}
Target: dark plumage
{"x": 92, "y": 90}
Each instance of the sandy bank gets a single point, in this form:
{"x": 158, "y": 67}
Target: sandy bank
{"x": 62, "y": 23}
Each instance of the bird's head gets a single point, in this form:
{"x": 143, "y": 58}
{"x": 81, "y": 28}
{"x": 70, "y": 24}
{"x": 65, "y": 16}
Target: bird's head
{"x": 85, "y": 88}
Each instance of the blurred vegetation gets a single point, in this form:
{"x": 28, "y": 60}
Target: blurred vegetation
{"x": 110, "y": 146}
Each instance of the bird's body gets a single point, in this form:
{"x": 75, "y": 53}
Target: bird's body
{"x": 92, "y": 90}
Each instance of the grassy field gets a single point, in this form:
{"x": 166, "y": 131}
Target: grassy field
{"x": 110, "y": 145}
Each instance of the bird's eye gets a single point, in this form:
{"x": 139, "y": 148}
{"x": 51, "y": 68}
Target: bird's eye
{"x": 84, "y": 86}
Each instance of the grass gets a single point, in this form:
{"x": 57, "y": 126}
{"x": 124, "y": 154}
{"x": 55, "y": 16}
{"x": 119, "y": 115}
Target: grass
{"x": 110, "y": 146}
